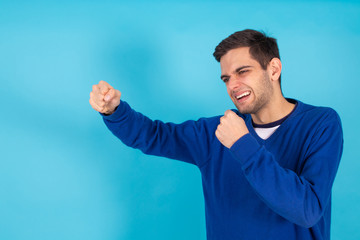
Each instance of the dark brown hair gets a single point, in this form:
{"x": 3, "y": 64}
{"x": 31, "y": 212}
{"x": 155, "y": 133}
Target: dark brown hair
{"x": 262, "y": 47}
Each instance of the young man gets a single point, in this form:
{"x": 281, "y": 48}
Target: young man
{"x": 267, "y": 168}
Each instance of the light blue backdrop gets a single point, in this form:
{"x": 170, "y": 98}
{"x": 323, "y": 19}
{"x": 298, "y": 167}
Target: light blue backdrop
{"x": 64, "y": 176}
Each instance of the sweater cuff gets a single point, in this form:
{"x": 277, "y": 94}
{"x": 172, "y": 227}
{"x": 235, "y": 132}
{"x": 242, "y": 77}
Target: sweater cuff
{"x": 119, "y": 112}
{"x": 244, "y": 148}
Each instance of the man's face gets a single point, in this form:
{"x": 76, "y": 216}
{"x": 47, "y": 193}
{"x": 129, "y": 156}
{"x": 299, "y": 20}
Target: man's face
{"x": 248, "y": 85}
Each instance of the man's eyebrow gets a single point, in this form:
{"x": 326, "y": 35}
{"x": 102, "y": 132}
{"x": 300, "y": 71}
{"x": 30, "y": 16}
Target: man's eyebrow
{"x": 236, "y": 70}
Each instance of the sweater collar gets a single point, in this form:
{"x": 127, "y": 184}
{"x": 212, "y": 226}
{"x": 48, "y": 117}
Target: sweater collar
{"x": 277, "y": 122}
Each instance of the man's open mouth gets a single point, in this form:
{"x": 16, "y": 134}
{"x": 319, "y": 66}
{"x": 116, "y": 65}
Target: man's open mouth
{"x": 242, "y": 95}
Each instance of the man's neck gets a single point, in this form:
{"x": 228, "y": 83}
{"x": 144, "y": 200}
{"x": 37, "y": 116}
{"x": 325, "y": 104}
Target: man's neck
{"x": 273, "y": 111}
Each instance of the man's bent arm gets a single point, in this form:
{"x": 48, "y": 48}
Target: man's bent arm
{"x": 301, "y": 198}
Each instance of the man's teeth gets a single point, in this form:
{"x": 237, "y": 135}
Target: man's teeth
{"x": 243, "y": 95}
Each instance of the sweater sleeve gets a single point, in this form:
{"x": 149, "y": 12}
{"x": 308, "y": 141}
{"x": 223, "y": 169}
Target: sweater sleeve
{"x": 188, "y": 141}
{"x": 299, "y": 198}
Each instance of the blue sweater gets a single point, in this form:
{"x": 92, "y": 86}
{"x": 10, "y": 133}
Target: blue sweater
{"x": 279, "y": 188}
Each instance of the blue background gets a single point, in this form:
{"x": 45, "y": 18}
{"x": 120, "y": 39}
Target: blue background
{"x": 64, "y": 176}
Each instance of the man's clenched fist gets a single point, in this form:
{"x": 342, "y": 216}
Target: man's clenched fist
{"x": 231, "y": 128}
{"x": 104, "y": 98}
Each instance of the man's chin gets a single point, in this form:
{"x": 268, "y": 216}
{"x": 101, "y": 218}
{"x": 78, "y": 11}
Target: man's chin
{"x": 243, "y": 110}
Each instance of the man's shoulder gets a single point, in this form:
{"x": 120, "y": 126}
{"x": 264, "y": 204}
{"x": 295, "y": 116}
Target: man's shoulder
{"x": 212, "y": 120}
{"x": 316, "y": 113}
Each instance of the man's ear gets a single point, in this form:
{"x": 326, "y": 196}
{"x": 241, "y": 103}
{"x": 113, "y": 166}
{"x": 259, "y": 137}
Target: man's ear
{"x": 275, "y": 69}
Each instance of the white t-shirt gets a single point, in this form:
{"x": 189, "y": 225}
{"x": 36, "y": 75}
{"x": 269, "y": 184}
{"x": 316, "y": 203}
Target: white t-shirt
{"x": 265, "y": 133}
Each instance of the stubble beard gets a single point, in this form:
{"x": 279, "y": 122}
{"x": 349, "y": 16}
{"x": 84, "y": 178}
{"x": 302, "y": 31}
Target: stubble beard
{"x": 262, "y": 98}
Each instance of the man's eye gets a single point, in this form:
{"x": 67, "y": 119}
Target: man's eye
{"x": 225, "y": 80}
{"x": 242, "y": 72}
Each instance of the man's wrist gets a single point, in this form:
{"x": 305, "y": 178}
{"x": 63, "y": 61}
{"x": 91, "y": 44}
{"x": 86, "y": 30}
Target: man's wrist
{"x": 110, "y": 112}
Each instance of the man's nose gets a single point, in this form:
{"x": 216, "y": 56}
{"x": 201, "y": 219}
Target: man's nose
{"x": 233, "y": 83}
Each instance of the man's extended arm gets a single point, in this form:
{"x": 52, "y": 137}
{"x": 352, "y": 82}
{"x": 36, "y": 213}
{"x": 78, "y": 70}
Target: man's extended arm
{"x": 183, "y": 141}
